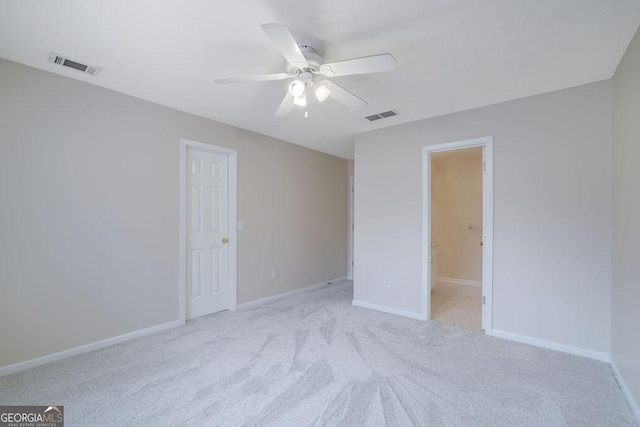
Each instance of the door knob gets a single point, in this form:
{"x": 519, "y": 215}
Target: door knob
{"x": 225, "y": 240}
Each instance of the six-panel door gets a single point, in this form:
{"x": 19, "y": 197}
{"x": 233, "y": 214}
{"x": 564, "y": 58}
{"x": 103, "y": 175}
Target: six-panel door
{"x": 207, "y": 227}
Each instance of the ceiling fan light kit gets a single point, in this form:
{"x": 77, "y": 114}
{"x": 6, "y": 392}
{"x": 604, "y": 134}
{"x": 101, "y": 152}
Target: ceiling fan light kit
{"x": 321, "y": 92}
{"x": 300, "y": 100}
{"x": 310, "y": 72}
{"x": 297, "y": 87}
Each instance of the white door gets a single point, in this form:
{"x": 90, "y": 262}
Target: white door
{"x": 207, "y": 231}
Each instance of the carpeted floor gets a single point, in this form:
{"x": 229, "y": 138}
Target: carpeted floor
{"x": 458, "y": 305}
{"x": 314, "y": 359}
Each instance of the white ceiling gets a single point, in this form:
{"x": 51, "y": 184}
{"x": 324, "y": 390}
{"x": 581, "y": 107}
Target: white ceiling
{"x": 452, "y": 54}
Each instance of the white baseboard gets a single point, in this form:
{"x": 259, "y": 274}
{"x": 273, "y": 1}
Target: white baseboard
{"x": 633, "y": 404}
{"x": 27, "y": 364}
{"x": 409, "y": 314}
{"x": 459, "y": 281}
{"x": 578, "y": 351}
{"x": 289, "y": 293}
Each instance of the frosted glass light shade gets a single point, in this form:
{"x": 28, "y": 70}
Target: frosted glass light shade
{"x": 296, "y": 88}
{"x": 300, "y": 100}
{"x": 321, "y": 92}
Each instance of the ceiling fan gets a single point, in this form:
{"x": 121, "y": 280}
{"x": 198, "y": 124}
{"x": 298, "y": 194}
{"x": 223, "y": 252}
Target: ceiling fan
{"x": 310, "y": 73}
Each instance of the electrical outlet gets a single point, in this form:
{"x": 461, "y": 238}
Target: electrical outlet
{"x": 387, "y": 282}
{"x": 274, "y": 274}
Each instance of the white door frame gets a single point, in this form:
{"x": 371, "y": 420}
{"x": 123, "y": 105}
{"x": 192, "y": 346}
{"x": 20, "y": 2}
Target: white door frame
{"x": 233, "y": 234}
{"x": 487, "y": 201}
{"x": 351, "y": 225}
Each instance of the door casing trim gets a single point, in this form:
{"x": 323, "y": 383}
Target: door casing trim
{"x": 487, "y": 195}
{"x": 351, "y": 230}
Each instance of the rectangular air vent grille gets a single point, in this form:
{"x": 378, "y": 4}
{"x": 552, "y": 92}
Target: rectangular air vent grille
{"x": 54, "y": 58}
{"x": 382, "y": 115}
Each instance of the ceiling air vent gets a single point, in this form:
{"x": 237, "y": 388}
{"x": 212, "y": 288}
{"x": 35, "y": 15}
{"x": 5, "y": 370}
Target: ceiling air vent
{"x": 382, "y": 115}
{"x": 54, "y": 58}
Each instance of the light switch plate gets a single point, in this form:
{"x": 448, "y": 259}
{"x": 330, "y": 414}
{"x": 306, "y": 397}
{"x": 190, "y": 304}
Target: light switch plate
{"x": 240, "y": 225}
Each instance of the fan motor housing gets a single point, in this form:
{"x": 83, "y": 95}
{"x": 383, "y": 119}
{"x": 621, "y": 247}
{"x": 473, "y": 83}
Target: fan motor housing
{"x": 312, "y": 58}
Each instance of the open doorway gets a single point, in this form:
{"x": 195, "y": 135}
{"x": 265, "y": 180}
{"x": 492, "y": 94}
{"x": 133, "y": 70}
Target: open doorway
{"x": 458, "y": 244}
{"x": 456, "y": 237}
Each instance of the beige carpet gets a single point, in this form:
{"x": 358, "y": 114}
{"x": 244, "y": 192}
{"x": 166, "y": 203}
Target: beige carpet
{"x": 457, "y": 305}
{"x": 314, "y": 359}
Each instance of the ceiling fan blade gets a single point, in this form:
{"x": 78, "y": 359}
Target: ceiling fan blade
{"x": 286, "y": 106}
{"x": 251, "y": 79}
{"x": 281, "y": 36}
{"x": 344, "y": 97}
{"x": 368, "y": 64}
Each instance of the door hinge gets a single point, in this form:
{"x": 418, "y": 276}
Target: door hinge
{"x": 484, "y": 300}
{"x": 484, "y": 233}
{"x": 484, "y": 166}
{"x": 351, "y": 263}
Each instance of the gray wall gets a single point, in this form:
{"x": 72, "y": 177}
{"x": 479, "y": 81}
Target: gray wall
{"x": 89, "y": 212}
{"x": 625, "y": 328}
{"x": 552, "y": 213}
